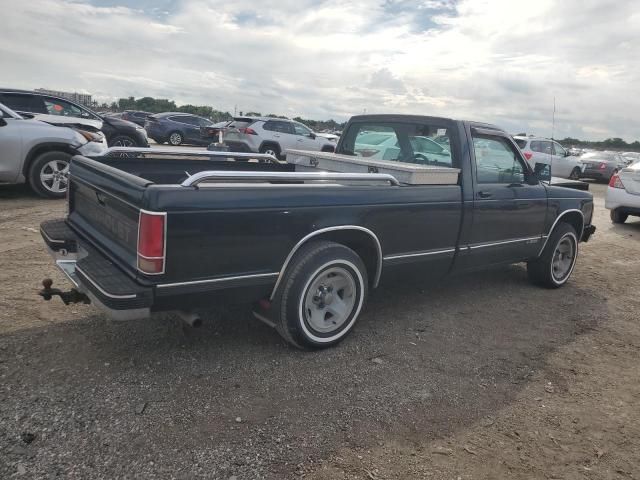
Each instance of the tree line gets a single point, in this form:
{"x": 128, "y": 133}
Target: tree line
{"x": 617, "y": 144}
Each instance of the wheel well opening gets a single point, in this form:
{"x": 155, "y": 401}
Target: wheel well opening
{"x": 574, "y": 219}
{"x": 36, "y": 151}
{"x": 268, "y": 144}
{"x": 360, "y": 242}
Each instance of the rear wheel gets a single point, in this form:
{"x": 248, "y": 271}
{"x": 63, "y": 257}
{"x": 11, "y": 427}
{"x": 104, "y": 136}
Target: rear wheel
{"x": 175, "y": 139}
{"x": 322, "y": 294}
{"x": 48, "y": 174}
{"x": 575, "y": 174}
{"x": 271, "y": 150}
{"x": 618, "y": 217}
{"x": 553, "y": 268}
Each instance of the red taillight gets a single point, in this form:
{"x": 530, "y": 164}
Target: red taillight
{"x": 151, "y": 242}
{"x": 602, "y": 166}
{"x": 615, "y": 182}
{"x": 528, "y": 155}
{"x": 248, "y": 131}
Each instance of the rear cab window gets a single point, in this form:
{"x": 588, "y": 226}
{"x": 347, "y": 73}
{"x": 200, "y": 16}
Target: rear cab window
{"x": 521, "y": 142}
{"x": 418, "y": 143}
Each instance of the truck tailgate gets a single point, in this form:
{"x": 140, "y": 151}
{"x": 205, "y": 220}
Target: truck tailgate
{"x": 104, "y": 205}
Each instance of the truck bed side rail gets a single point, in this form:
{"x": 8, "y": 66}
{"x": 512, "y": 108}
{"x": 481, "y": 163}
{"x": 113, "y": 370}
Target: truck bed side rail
{"x": 222, "y": 176}
{"x": 139, "y": 152}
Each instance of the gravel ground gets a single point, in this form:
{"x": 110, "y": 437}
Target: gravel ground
{"x": 481, "y": 376}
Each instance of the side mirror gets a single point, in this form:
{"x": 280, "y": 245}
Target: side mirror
{"x": 541, "y": 172}
{"x": 3, "y": 122}
{"x": 567, "y": 153}
{"x": 312, "y": 136}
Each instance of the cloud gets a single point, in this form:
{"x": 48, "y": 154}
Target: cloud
{"x": 490, "y": 60}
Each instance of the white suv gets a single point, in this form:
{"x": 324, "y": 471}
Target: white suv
{"x": 538, "y": 150}
{"x": 272, "y": 136}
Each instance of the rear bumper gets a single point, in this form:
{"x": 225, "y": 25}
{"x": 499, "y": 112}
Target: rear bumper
{"x": 239, "y": 147}
{"x": 93, "y": 274}
{"x": 620, "y": 199}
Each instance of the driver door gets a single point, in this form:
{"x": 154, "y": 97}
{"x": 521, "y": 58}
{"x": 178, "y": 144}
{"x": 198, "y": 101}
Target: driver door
{"x": 303, "y": 138}
{"x": 509, "y": 210}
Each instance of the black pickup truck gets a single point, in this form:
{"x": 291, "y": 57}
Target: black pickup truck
{"x": 309, "y": 239}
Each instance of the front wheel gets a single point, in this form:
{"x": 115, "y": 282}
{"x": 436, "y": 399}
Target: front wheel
{"x": 321, "y": 296}
{"x": 48, "y": 174}
{"x": 176, "y": 139}
{"x": 122, "y": 141}
{"x": 554, "y": 267}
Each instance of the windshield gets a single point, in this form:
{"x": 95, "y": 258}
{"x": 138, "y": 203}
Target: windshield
{"x": 521, "y": 142}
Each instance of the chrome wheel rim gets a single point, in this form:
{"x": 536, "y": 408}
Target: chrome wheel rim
{"x": 330, "y": 300}
{"x": 271, "y": 152}
{"x": 54, "y": 176}
{"x": 175, "y": 139}
{"x": 563, "y": 258}
{"x": 125, "y": 142}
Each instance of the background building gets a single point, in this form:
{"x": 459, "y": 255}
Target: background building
{"x": 81, "y": 98}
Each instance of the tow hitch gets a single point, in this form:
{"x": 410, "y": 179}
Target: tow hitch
{"x": 72, "y": 296}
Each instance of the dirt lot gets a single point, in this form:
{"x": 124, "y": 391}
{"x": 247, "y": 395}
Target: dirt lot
{"x": 483, "y": 376}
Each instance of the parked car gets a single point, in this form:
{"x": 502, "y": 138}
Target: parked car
{"x": 178, "y": 128}
{"x": 272, "y": 136}
{"x": 119, "y": 133}
{"x": 623, "y": 193}
{"x": 215, "y": 133}
{"x": 601, "y": 165}
{"x": 631, "y": 157}
{"x": 38, "y": 153}
{"x": 308, "y": 246}
{"x": 135, "y": 116}
{"x": 542, "y": 151}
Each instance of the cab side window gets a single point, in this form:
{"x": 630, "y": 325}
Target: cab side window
{"x": 558, "y": 150}
{"x": 62, "y": 108}
{"x": 301, "y": 129}
{"x": 497, "y": 160}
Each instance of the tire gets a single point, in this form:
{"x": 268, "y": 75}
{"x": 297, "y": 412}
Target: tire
{"x": 562, "y": 243}
{"x": 271, "y": 150}
{"x": 48, "y": 174}
{"x": 122, "y": 141}
{"x": 618, "y": 217}
{"x": 575, "y": 174}
{"x": 175, "y": 139}
{"x": 322, "y": 293}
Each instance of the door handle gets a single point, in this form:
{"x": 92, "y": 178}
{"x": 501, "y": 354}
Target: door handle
{"x": 483, "y": 194}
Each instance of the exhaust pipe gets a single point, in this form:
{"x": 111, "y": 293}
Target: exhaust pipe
{"x": 190, "y": 318}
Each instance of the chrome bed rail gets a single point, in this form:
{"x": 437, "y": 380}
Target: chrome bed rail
{"x": 222, "y": 176}
{"x": 138, "y": 152}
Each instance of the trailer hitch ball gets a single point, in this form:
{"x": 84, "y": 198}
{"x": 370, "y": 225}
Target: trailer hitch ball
{"x": 72, "y": 296}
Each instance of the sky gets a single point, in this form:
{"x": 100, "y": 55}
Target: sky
{"x": 495, "y": 61}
